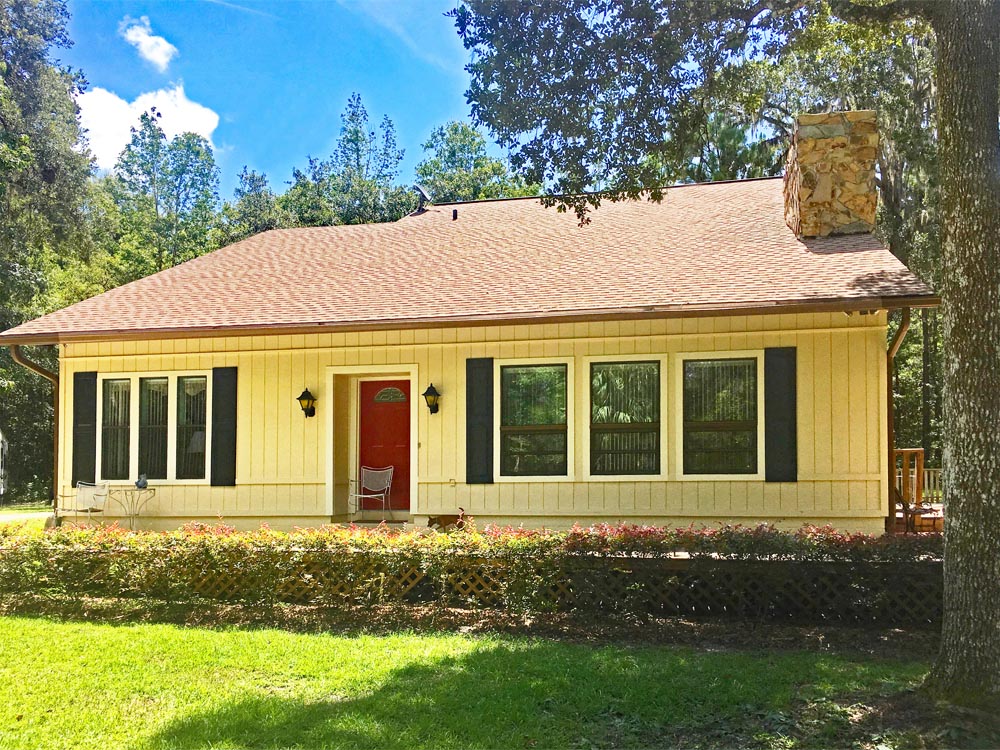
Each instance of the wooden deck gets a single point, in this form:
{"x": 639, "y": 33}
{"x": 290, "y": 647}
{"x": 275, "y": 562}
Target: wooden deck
{"x": 918, "y": 501}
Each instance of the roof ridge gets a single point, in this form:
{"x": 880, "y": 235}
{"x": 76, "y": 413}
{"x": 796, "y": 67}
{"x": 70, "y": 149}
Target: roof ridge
{"x": 707, "y": 183}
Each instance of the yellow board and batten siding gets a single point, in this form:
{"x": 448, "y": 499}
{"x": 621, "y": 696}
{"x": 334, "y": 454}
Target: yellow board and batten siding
{"x": 283, "y": 459}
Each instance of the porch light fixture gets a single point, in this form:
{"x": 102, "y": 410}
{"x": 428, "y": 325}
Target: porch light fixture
{"x": 308, "y": 403}
{"x": 431, "y": 396}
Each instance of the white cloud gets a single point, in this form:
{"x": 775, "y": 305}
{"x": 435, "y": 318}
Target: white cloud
{"x": 154, "y": 49}
{"x": 109, "y": 119}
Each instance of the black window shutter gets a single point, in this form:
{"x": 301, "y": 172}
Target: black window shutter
{"x": 780, "y": 415}
{"x": 224, "y": 426}
{"x": 84, "y": 427}
{"x": 479, "y": 420}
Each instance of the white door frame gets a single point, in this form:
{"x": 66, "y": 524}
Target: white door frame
{"x": 368, "y": 372}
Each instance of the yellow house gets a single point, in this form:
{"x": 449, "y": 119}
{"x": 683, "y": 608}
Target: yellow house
{"x": 719, "y": 355}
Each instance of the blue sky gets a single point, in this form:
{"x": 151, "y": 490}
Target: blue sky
{"x": 266, "y": 82}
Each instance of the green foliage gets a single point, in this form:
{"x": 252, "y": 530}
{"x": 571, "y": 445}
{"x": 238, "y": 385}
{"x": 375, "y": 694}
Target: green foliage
{"x": 459, "y": 168}
{"x": 43, "y": 169}
{"x": 167, "y": 193}
{"x": 43, "y": 177}
{"x": 346, "y": 564}
{"x": 26, "y": 422}
{"x": 726, "y": 152}
{"x": 589, "y": 94}
{"x": 254, "y": 210}
{"x": 356, "y": 185}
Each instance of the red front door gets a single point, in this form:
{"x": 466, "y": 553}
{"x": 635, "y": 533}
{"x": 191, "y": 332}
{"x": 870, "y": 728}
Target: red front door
{"x": 385, "y": 436}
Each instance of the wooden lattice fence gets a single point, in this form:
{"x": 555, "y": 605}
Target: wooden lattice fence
{"x": 887, "y": 594}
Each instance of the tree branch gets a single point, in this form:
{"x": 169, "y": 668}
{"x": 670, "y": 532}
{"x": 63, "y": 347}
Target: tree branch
{"x": 897, "y": 10}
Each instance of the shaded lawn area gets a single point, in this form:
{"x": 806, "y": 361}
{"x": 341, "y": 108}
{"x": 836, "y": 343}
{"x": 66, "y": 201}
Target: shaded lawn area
{"x": 85, "y": 685}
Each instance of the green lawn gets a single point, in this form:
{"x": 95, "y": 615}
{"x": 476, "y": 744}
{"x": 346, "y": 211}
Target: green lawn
{"x": 82, "y": 685}
{"x": 26, "y": 507}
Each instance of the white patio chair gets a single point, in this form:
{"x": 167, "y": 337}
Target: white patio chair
{"x": 375, "y": 484}
{"x": 88, "y": 498}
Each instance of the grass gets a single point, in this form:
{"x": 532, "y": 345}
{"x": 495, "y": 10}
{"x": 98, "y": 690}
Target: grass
{"x": 15, "y": 513}
{"x": 33, "y": 507}
{"x": 154, "y": 686}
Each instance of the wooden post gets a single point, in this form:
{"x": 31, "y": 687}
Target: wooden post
{"x": 890, "y": 356}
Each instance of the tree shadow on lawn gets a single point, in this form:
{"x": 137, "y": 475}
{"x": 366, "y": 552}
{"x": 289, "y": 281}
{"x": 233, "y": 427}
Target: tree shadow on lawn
{"x": 703, "y": 634}
{"x": 544, "y": 694}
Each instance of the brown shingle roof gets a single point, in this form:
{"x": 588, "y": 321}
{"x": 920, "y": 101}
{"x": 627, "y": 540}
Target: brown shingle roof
{"x": 705, "y": 248}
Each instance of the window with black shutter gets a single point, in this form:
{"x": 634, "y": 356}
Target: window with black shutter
{"x": 720, "y": 416}
{"x": 533, "y": 437}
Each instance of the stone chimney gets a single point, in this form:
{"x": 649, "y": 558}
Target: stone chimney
{"x": 830, "y": 174}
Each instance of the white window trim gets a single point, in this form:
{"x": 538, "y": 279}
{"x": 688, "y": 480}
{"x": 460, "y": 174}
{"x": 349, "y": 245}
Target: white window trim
{"x": 665, "y": 436}
{"x": 133, "y": 448}
{"x": 678, "y": 417}
{"x": 570, "y": 475}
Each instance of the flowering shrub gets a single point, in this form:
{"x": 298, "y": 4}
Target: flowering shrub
{"x": 763, "y": 542}
{"x": 608, "y": 567}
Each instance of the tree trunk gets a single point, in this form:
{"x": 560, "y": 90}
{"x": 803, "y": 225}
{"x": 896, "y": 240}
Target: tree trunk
{"x": 926, "y": 388}
{"x": 938, "y": 394}
{"x": 968, "y": 71}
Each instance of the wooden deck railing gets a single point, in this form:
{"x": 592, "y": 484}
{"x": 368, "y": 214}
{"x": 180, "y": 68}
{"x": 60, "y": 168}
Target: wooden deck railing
{"x": 918, "y": 488}
{"x": 931, "y": 484}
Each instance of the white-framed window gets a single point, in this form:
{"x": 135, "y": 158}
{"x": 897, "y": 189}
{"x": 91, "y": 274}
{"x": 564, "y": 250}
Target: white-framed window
{"x": 720, "y": 415}
{"x": 624, "y": 436}
{"x": 533, "y": 415}
{"x": 157, "y": 424}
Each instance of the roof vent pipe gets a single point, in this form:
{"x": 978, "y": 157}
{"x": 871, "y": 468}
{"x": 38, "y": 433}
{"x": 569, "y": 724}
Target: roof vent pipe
{"x": 454, "y": 214}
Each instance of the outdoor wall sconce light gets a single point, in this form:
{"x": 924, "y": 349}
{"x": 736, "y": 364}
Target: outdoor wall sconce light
{"x": 308, "y": 403}
{"x": 431, "y": 396}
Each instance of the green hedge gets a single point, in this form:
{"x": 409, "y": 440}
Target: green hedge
{"x": 814, "y": 573}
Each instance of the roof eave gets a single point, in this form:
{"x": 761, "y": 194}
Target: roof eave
{"x": 542, "y": 316}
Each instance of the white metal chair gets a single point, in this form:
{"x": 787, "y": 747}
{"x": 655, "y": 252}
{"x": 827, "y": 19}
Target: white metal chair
{"x": 88, "y": 498}
{"x": 375, "y": 484}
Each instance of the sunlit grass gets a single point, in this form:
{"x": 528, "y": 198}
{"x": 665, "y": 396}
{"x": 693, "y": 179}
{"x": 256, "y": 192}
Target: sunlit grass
{"x": 35, "y": 507}
{"x": 162, "y": 686}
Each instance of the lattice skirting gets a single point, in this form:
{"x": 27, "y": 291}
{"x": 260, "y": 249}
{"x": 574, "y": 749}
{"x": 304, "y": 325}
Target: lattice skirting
{"x": 887, "y": 594}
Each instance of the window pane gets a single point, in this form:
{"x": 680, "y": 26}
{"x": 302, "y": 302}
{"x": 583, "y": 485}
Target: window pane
{"x": 533, "y": 453}
{"x": 115, "y": 411}
{"x": 192, "y": 410}
{"x": 533, "y": 395}
{"x": 720, "y": 416}
{"x": 625, "y": 394}
{"x": 624, "y": 451}
{"x": 720, "y": 390}
{"x": 153, "y": 427}
{"x": 719, "y": 452}
{"x": 533, "y": 420}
